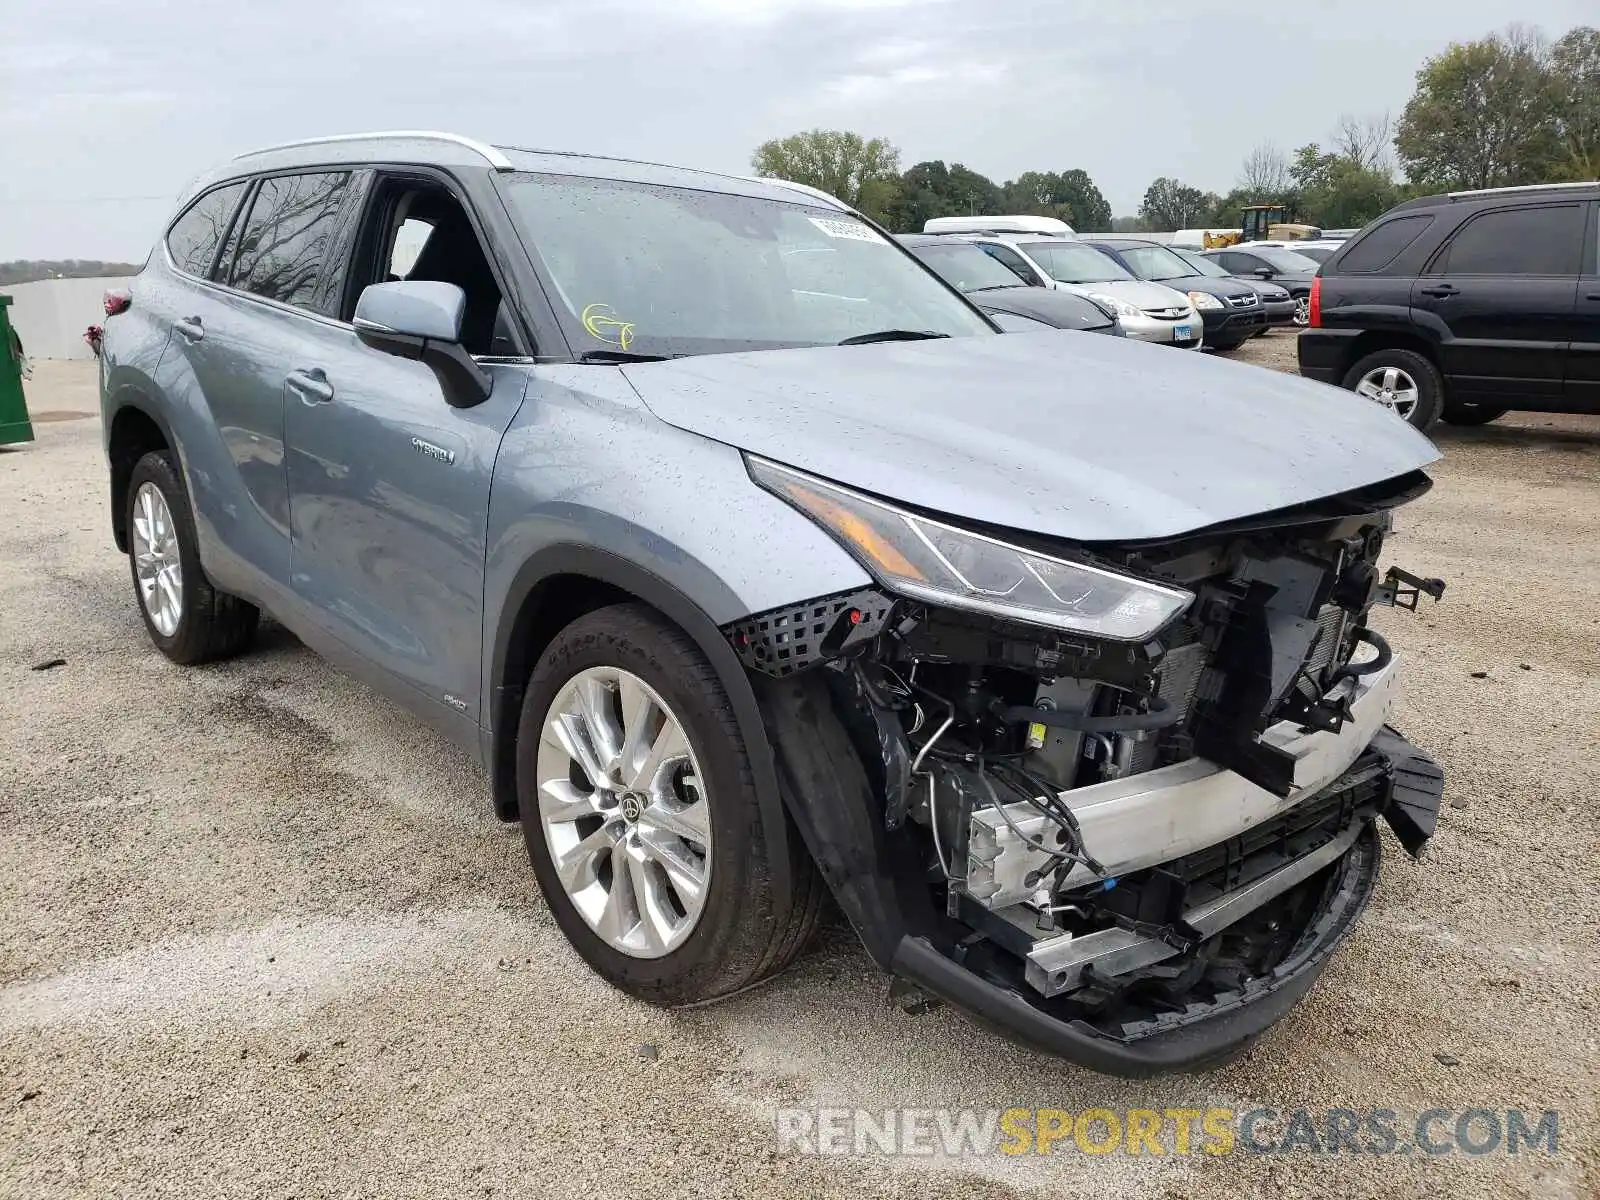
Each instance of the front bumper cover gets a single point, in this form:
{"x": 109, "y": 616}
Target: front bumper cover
{"x": 885, "y": 896}
{"x": 1216, "y": 1033}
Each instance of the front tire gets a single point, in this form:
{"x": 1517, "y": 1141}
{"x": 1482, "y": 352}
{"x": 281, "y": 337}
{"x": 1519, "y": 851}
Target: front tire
{"x": 1403, "y": 381}
{"x": 189, "y": 621}
{"x": 638, "y": 807}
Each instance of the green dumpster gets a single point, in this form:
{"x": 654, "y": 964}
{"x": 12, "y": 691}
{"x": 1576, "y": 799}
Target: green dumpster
{"x": 14, "y": 423}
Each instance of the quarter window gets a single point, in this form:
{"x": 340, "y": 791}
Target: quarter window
{"x": 1380, "y": 247}
{"x": 1518, "y": 241}
{"x": 289, "y": 237}
{"x": 195, "y": 236}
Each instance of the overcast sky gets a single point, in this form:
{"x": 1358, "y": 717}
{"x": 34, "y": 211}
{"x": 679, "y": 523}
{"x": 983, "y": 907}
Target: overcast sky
{"x": 108, "y": 107}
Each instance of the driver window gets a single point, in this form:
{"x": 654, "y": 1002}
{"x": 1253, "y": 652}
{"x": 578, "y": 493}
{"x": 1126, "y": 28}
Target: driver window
{"x": 422, "y": 232}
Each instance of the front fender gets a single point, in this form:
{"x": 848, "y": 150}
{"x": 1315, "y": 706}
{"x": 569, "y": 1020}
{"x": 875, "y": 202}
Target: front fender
{"x": 589, "y": 484}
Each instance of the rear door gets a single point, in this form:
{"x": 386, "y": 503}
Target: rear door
{"x": 230, "y": 438}
{"x": 270, "y": 311}
{"x": 1583, "y": 359}
{"x": 1502, "y": 293}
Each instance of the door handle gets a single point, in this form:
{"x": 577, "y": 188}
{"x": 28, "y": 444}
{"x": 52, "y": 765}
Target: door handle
{"x": 1443, "y": 291}
{"x": 311, "y": 384}
{"x": 191, "y": 328}
{"x": 1592, "y": 296}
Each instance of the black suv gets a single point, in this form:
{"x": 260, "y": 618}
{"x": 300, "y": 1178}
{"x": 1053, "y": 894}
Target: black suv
{"x": 1465, "y": 306}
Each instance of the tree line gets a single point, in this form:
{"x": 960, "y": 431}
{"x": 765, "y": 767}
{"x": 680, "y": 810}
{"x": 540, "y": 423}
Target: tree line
{"x": 1510, "y": 108}
{"x": 26, "y": 270}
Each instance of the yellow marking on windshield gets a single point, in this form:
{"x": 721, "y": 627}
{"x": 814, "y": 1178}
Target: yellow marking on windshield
{"x": 602, "y": 324}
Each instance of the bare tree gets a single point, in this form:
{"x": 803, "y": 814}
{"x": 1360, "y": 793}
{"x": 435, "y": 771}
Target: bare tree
{"x": 1265, "y": 171}
{"x": 1365, "y": 141}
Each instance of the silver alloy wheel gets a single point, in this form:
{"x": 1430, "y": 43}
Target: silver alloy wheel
{"x": 1302, "y": 310}
{"x": 1391, "y": 387}
{"x": 155, "y": 560}
{"x": 622, "y": 810}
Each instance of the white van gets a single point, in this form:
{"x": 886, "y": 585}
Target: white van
{"x": 1048, "y": 226}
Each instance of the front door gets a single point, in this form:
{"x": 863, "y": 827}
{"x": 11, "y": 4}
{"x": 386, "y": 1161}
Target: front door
{"x": 388, "y": 484}
{"x": 1503, "y": 290}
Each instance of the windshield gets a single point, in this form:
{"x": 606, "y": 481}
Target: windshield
{"x": 1201, "y": 264}
{"x": 652, "y": 270}
{"x": 1073, "y": 262}
{"x": 1317, "y": 254}
{"x": 1286, "y": 260}
{"x": 965, "y": 267}
{"x": 1154, "y": 262}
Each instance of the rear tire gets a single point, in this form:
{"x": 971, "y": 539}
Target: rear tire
{"x": 1417, "y": 391}
{"x": 189, "y": 621}
{"x": 742, "y": 931}
{"x": 1471, "y": 414}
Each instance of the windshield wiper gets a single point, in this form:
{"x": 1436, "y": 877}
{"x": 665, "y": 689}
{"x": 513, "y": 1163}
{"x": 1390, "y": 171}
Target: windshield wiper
{"x": 892, "y": 335}
{"x": 620, "y": 356}
{"x": 996, "y": 287}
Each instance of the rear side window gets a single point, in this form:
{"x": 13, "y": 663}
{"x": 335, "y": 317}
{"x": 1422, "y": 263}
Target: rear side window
{"x": 289, "y": 238}
{"x": 1379, "y": 248}
{"x": 1547, "y": 240}
{"x": 194, "y": 237}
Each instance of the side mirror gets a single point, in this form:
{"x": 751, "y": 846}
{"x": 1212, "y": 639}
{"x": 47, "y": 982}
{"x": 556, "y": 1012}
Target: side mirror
{"x": 420, "y": 319}
{"x": 1262, "y": 272}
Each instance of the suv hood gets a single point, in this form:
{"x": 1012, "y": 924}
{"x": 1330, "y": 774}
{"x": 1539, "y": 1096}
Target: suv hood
{"x": 1135, "y": 291}
{"x": 1103, "y": 440}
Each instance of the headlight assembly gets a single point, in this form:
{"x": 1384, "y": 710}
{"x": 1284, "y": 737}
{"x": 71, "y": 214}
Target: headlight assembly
{"x": 928, "y": 560}
{"x": 1121, "y": 307}
{"x": 1204, "y": 301}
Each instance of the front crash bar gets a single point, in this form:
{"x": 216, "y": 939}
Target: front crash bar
{"x": 1157, "y": 816}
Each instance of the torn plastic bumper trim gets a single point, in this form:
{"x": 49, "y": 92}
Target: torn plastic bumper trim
{"x": 1156, "y": 816}
{"x": 1057, "y": 966}
{"x": 1203, "y": 1037}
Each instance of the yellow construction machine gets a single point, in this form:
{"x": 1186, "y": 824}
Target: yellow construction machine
{"x": 1262, "y": 223}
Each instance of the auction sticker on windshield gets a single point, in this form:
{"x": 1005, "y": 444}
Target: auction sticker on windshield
{"x": 853, "y": 230}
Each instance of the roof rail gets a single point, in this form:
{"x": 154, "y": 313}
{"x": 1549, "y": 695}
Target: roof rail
{"x": 1523, "y": 187}
{"x": 490, "y": 154}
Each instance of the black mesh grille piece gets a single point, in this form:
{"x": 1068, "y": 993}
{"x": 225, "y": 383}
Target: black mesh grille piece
{"x": 782, "y": 641}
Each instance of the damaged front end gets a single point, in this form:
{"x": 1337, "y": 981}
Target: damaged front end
{"x": 1118, "y": 800}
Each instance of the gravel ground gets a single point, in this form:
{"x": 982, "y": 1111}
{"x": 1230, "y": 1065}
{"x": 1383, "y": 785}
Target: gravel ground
{"x": 261, "y": 936}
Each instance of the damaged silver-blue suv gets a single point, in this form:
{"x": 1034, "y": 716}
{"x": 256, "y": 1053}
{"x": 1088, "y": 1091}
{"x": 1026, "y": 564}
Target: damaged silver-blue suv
{"x": 760, "y": 567}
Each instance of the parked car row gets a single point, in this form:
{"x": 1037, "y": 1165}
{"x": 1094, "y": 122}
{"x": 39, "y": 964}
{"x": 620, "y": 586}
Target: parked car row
{"x": 1457, "y": 307}
{"x": 1156, "y": 292}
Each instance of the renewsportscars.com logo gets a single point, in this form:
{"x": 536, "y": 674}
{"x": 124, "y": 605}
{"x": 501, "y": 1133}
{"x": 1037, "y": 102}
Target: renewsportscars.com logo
{"x": 957, "y": 1132}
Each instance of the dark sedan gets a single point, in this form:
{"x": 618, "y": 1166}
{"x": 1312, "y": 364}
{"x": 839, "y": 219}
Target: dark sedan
{"x": 1231, "y": 310}
{"x": 1288, "y": 269}
{"x": 1280, "y": 306}
{"x": 998, "y": 292}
